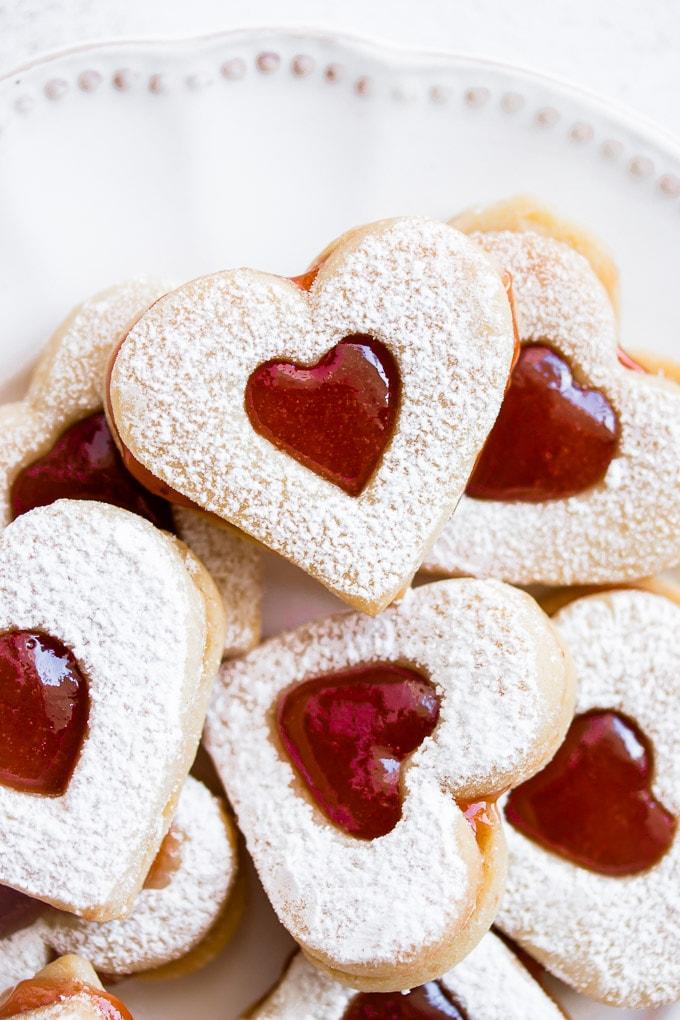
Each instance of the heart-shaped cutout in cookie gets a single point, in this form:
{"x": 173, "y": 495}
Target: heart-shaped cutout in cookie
{"x": 44, "y": 707}
{"x": 431, "y": 1001}
{"x": 397, "y": 419}
{"x": 592, "y": 803}
{"x": 337, "y": 416}
{"x": 553, "y": 438}
{"x": 84, "y": 463}
{"x": 347, "y": 734}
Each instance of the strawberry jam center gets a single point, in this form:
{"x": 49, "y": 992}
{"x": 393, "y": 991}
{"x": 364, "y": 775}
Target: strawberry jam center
{"x": 592, "y": 804}
{"x": 427, "y": 1002}
{"x": 348, "y": 732}
{"x": 552, "y": 438}
{"x": 44, "y": 707}
{"x": 84, "y": 463}
{"x": 335, "y": 417}
{"x": 38, "y": 993}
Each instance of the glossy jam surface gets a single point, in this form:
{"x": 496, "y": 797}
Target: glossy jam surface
{"x": 592, "y": 803}
{"x": 166, "y": 863}
{"x": 335, "y": 417}
{"x": 347, "y": 733}
{"x": 552, "y": 438}
{"x": 44, "y": 707}
{"x": 427, "y": 1002}
{"x": 84, "y": 463}
{"x": 16, "y": 911}
{"x": 39, "y": 992}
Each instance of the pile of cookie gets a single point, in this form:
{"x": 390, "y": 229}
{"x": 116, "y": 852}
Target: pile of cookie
{"x": 437, "y": 423}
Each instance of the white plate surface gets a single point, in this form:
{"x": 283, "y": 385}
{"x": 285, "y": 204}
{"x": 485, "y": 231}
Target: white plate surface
{"x": 255, "y": 148}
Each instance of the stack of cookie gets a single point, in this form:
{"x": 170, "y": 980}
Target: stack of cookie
{"x": 496, "y": 747}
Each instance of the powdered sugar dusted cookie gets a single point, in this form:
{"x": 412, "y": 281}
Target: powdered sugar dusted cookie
{"x": 56, "y": 444}
{"x": 578, "y": 482}
{"x": 594, "y": 874}
{"x": 363, "y": 756}
{"x": 110, "y": 635}
{"x": 22, "y": 948}
{"x": 489, "y": 984}
{"x": 67, "y": 989}
{"x": 184, "y": 896}
{"x": 337, "y": 426}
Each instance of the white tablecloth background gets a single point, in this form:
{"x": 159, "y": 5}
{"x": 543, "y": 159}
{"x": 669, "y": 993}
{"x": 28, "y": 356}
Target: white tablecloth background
{"x": 627, "y": 50}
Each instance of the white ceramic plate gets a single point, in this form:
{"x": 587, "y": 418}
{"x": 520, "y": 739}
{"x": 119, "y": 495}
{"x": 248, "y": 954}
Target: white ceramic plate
{"x": 256, "y": 148}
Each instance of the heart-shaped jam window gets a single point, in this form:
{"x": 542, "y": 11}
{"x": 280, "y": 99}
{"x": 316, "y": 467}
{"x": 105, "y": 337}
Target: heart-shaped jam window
{"x": 44, "y": 707}
{"x": 84, "y": 463}
{"x": 39, "y": 992}
{"x": 427, "y": 1002}
{"x": 592, "y": 804}
{"x": 335, "y": 417}
{"x": 347, "y": 734}
{"x": 552, "y": 438}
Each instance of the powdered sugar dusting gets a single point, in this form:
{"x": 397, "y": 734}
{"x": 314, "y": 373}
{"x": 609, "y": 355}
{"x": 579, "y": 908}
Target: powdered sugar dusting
{"x": 501, "y": 677}
{"x": 613, "y": 938}
{"x": 489, "y": 983}
{"x": 422, "y": 288}
{"x": 22, "y": 954}
{"x": 164, "y": 923}
{"x": 235, "y": 565}
{"x": 627, "y": 526}
{"x": 66, "y": 387}
{"x": 115, "y": 591}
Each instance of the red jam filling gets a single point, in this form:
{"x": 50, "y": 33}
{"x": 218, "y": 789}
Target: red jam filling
{"x": 482, "y": 817}
{"x": 552, "y": 438}
{"x": 17, "y": 911}
{"x": 44, "y": 707}
{"x": 84, "y": 463}
{"x": 348, "y": 732}
{"x": 40, "y": 992}
{"x": 592, "y": 804}
{"x": 628, "y": 362}
{"x": 427, "y": 1002}
{"x": 335, "y": 417}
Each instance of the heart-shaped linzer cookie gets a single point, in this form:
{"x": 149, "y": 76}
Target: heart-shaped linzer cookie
{"x": 337, "y": 416}
{"x": 594, "y": 877}
{"x": 552, "y": 438}
{"x": 579, "y": 480}
{"x": 406, "y": 338}
{"x": 478, "y": 708}
{"x": 488, "y": 984}
{"x": 347, "y": 734}
{"x": 44, "y": 706}
{"x": 98, "y": 609}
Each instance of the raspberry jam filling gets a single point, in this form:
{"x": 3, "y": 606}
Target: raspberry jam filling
{"x": 427, "y": 1002}
{"x": 347, "y": 733}
{"x": 44, "y": 707}
{"x": 552, "y": 438}
{"x": 38, "y": 993}
{"x": 335, "y": 417}
{"x": 167, "y": 862}
{"x": 592, "y": 804}
{"x": 84, "y": 463}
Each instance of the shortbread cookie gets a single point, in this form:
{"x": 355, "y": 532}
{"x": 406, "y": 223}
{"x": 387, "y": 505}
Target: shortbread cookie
{"x": 67, "y": 989}
{"x": 184, "y": 896}
{"x": 338, "y": 425}
{"x": 524, "y": 213}
{"x": 594, "y": 873}
{"x": 23, "y": 950}
{"x": 466, "y": 684}
{"x": 578, "y": 482}
{"x": 489, "y": 984}
{"x": 56, "y": 444}
{"x": 111, "y": 638}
